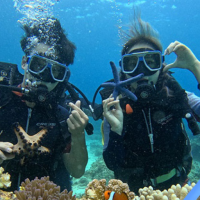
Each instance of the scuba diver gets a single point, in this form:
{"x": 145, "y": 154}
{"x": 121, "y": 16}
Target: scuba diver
{"x": 145, "y": 142}
{"x": 37, "y": 101}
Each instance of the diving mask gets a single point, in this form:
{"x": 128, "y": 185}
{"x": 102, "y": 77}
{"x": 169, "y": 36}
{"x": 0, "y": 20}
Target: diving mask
{"x": 152, "y": 60}
{"x": 46, "y": 69}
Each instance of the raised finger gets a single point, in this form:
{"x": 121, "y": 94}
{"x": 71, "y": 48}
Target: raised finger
{"x": 78, "y": 103}
{"x": 171, "y": 47}
{"x": 105, "y": 103}
{"x": 113, "y": 103}
{"x": 75, "y": 107}
{"x": 70, "y": 124}
{"x": 179, "y": 48}
{"x": 75, "y": 118}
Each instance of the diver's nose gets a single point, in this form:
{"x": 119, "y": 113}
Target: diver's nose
{"x": 141, "y": 68}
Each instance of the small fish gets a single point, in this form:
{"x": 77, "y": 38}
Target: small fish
{"x": 110, "y": 195}
{"x": 28, "y": 6}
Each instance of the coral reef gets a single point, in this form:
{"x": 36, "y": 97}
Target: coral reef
{"x": 28, "y": 145}
{"x": 98, "y": 170}
{"x": 96, "y": 189}
{"x": 4, "y": 179}
{"x": 7, "y": 195}
{"x": 176, "y": 192}
{"x": 5, "y": 183}
{"x": 119, "y": 187}
{"x": 42, "y": 189}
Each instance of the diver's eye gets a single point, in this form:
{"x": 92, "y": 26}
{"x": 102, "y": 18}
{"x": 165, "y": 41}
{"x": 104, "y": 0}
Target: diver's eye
{"x": 149, "y": 62}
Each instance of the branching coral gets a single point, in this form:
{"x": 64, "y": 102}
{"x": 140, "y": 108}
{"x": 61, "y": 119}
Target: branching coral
{"x": 176, "y": 192}
{"x": 4, "y": 179}
{"x": 42, "y": 189}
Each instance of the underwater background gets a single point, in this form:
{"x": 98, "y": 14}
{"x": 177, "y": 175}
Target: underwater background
{"x": 93, "y": 25}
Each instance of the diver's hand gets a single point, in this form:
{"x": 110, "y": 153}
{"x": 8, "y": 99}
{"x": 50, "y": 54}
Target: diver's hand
{"x": 6, "y": 151}
{"x": 77, "y": 120}
{"x": 114, "y": 116}
{"x": 185, "y": 57}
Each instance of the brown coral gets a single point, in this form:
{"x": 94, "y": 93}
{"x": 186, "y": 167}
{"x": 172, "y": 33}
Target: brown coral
{"x": 96, "y": 189}
{"x": 28, "y": 145}
{"x": 119, "y": 187}
{"x": 6, "y": 195}
{"x": 42, "y": 189}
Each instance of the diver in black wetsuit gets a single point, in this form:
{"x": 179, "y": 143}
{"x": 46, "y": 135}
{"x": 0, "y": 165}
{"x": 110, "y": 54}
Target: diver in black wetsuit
{"x": 39, "y": 102}
{"x": 145, "y": 142}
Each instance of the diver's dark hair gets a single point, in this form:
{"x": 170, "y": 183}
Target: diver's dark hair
{"x": 50, "y": 32}
{"x": 141, "y": 32}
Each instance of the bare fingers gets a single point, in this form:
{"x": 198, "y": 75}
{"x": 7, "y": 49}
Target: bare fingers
{"x": 6, "y": 147}
{"x": 5, "y": 151}
{"x": 77, "y": 120}
{"x": 171, "y": 48}
{"x": 77, "y": 108}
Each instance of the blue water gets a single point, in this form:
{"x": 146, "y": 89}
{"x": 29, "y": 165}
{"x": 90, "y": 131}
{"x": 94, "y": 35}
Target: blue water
{"x": 93, "y": 26}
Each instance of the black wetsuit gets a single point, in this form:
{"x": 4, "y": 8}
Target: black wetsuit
{"x": 57, "y": 139}
{"x": 130, "y": 156}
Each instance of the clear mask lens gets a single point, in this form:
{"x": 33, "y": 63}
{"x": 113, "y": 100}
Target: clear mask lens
{"x": 38, "y": 65}
{"x": 151, "y": 59}
{"x": 58, "y": 71}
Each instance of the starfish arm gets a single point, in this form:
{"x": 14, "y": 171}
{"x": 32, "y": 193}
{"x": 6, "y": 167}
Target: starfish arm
{"x": 115, "y": 93}
{"x": 115, "y": 72}
{"x": 128, "y": 93}
{"x": 38, "y": 136}
{"x": 131, "y": 80}
{"x": 108, "y": 85}
{"x": 43, "y": 149}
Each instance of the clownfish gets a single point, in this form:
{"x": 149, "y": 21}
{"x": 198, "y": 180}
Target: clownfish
{"x": 110, "y": 195}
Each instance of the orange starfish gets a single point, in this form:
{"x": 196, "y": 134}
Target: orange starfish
{"x": 29, "y": 145}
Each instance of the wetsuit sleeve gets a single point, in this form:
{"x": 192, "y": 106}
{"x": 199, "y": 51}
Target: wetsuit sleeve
{"x": 113, "y": 148}
{"x": 194, "y": 102}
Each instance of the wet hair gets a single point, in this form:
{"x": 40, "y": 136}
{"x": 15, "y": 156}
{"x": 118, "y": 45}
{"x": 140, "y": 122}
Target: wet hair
{"x": 49, "y": 32}
{"x": 141, "y": 32}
